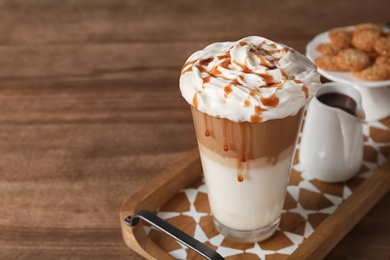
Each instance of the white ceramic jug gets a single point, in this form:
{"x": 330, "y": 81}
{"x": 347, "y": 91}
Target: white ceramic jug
{"x": 332, "y": 142}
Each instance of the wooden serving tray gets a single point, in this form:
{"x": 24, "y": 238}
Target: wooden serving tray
{"x": 316, "y": 215}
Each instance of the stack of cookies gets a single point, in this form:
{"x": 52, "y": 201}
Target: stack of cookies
{"x": 363, "y": 50}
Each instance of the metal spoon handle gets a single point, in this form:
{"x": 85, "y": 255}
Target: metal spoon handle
{"x": 174, "y": 232}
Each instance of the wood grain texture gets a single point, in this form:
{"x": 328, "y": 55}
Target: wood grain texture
{"x": 90, "y": 110}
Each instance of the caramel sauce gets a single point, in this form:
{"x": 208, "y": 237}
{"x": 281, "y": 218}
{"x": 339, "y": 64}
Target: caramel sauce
{"x": 242, "y": 162}
{"x": 263, "y": 60}
{"x": 253, "y": 92}
{"x": 247, "y": 70}
{"x": 206, "y": 62}
{"x": 243, "y": 44}
{"x": 258, "y": 110}
{"x": 242, "y": 169}
{"x": 195, "y": 101}
{"x": 239, "y": 64}
{"x": 269, "y": 80}
{"x": 236, "y": 82}
{"x": 202, "y": 69}
{"x": 224, "y": 56}
{"x": 208, "y": 125}
{"x": 304, "y": 88}
{"x": 284, "y": 75}
{"x": 226, "y": 136}
{"x": 228, "y": 89}
{"x": 247, "y": 103}
{"x": 297, "y": 81}
{"x": 225, "y": 64}
{"x": 189, "y": 63}
{"x": 306, "y": 91}
{"x": 256, "y": 118}
{"x": 206, "y": 79}
{"x": 189, "y": 69}
{"x": 279, "y": 84}
{"x": 271, "y": 101}
{"x": 214, "y": 71}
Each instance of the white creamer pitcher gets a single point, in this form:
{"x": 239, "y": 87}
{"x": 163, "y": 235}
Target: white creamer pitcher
{"x": 332, "y": 142}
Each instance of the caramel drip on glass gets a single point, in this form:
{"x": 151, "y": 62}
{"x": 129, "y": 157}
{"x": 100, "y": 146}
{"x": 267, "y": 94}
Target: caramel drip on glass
{"x": 226, "y": 136}
{"x": 242, "y": 163}
{"x": 241, "y": 170}
{"x": 208, "y": 125}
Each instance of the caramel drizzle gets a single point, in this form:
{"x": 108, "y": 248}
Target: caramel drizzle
{"x": 228, "y": 89}
{"x": 263, "y": 60}
{"x": 306, "y": 91}
{"x": 187, "y": 67}
{"x": 226, "y": 61}
{"x": 242, "y": 163}
{"x": 226, "y": 136}
{"x": 304, "y": 88}
{"x": 271, "y": 101}
{"x": 256, "y": 117}
{"x": 206, "y": 62}
{"x": 224, "y": 56}
{"x": 269, "y": 80}
{"x": 208, "y": 125}
{"x": 206, "y": 79}
{"x": 195, "y": 100}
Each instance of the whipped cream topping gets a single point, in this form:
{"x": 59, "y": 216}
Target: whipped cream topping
{"x": 253, "y": 79}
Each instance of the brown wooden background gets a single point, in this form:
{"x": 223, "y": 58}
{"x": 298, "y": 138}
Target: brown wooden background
{"x": 90, "y": 110}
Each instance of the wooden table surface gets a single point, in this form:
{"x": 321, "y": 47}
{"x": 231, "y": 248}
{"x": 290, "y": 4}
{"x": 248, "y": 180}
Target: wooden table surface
{"x": 90, "y": 110}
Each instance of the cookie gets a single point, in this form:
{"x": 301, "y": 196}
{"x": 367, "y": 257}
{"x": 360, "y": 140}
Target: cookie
{"x": 327, "y": 48}
{"x": 382, "y": 46}
{"x": 365, "y": 39}
{"x": 341, "y": 38}
{"x": 383, "y": 61}
{"x": 369, "y": 26}
{"x": 372, "y": 55}
{"x": 352, "y": 59}
{"x": 327, "y": 62}
{"x": 374, "y": 72}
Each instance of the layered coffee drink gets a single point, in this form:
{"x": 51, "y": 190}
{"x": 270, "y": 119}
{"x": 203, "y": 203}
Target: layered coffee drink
{"x": 247, "y": 100}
